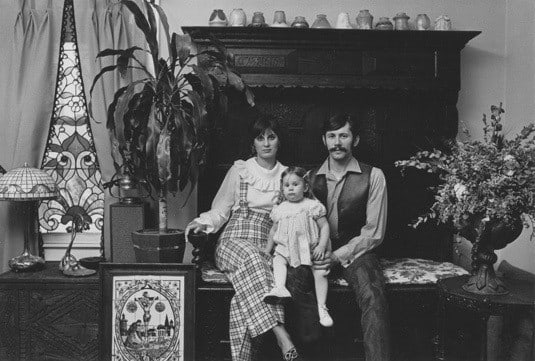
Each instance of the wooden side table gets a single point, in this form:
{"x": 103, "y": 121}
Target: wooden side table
{"x": 521, "y": 297}
{"x": 47, "y": 316}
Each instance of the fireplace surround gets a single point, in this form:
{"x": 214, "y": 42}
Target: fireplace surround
{"x": 402, "y": 85}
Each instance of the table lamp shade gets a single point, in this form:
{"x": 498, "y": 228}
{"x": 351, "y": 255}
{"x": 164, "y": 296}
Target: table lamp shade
{"x": 27, "y": 184}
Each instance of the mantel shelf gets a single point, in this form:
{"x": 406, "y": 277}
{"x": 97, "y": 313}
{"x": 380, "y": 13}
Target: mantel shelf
{"x": 332, "y": 38}
{"x": 335, "y": 58}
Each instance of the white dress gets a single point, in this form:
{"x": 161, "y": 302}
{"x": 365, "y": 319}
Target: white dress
{"x": 297, "y": 231}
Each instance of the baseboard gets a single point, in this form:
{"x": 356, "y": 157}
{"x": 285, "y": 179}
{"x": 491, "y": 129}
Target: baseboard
{"x": 85, "y": 245}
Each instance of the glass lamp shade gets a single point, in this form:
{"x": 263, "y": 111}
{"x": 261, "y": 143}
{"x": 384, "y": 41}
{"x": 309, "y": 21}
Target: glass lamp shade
{"x": 28, "y": 185}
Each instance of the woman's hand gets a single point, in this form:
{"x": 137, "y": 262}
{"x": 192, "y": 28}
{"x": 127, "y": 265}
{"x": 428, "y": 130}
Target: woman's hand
{"x": 194, "y": 227}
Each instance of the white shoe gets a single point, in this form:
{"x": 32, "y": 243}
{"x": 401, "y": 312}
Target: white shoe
{"x": 277, "y": 295}
{"x": 325, "y": 318}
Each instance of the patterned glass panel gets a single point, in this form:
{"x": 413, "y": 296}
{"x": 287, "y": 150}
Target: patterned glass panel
{"x": 70, "y": 156}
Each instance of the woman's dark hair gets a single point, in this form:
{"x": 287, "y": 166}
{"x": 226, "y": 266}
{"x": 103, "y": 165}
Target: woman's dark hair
{"x": 301, "y": 173}
{"x": 261, "y": 124}
{"x": 337, "y": 121}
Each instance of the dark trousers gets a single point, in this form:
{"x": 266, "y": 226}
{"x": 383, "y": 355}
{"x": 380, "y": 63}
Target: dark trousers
{"x": 366, "y": 279}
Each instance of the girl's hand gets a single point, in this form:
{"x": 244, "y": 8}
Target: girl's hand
{"x": 318, "y": 253}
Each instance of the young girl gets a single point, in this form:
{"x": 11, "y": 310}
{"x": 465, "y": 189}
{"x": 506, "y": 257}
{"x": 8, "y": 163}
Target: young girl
{"x": 301, "y": 234}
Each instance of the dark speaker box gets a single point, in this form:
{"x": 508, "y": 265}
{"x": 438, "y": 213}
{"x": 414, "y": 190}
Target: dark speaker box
{"x": 124, "y": 219}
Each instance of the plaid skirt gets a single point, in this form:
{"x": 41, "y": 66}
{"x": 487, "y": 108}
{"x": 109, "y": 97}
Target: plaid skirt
{"x": 238, "y": 255}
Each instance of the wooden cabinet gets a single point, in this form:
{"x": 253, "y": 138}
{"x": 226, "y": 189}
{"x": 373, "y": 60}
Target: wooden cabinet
{"x": 47, "y": 316}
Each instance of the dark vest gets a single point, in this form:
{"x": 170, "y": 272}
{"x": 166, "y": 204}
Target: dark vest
{"x": 352, "y": 202}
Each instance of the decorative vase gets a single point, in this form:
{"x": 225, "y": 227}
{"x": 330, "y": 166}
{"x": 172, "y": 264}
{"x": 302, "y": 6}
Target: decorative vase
{"x": 237, "y": 18}
{"x": 153, "y": 246}
{"x": 300, "y": 22}
{"x": 487, "y": 237}
{"x": 422, "y": 22}
{"x": 279, "y": 20}
{"x": 384, "y": 23}
{"x": 443, "y": 22}
{"x": 343, "y": 21}
{"x": 401, "y": 21}
{"x": 321, "y": 22}
{"x": 258, "y": 20}
{"x": 218, "y": 18}
{"x": 364, "y": 20}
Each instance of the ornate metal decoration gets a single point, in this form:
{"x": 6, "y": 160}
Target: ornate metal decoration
{"x": 70, "y": 156}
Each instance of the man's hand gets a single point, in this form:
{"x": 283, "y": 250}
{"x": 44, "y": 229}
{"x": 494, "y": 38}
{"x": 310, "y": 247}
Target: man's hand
{"x": 327, "y": 262}
{"x": 194, "y": 227}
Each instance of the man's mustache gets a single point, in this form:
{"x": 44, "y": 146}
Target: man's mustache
{"x": 335, "y": 149}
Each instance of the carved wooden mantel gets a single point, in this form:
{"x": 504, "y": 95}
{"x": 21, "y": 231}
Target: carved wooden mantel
{"x": 336, "y": 58}
{"x": 402, "y": 86}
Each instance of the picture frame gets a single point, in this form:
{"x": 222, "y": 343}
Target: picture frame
{"x": 148, "y": 312}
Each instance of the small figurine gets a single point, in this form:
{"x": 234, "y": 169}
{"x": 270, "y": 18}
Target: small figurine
{"x": 401, "y": 21}
{"x": 422, "y": 22}
{"x": 364, "y": 20}
{"x": 443, "y": 22}
{"x": 258, "y": 20}
{"x": 384, "y": 23}
{"x": 300, "y": 22}
{"x": 343, "y": 21}
{"x": 279, "y": 20}
{"x": 321, "y": 22}
{"x": 237, "y": 18}
{"x": 218, "y": 18}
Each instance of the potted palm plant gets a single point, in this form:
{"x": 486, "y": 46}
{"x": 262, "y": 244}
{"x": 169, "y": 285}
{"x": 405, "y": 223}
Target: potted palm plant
{"x": 159, "y": 122}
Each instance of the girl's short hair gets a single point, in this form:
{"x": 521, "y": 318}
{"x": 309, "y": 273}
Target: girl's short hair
{"x": 301, "y": 173}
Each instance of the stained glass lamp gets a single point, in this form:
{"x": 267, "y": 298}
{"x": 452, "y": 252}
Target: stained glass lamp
{"x": 29, "y": 186}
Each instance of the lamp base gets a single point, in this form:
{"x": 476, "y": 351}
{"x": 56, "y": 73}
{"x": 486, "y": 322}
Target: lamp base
{"x": 26, "y": 262}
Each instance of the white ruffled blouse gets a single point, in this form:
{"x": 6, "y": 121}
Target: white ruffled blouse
{"x": 262, "y": 192}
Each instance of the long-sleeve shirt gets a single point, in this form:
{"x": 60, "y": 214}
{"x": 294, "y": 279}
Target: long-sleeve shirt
{"x": 262, "y": 193}
{"x": 372, "y": 233}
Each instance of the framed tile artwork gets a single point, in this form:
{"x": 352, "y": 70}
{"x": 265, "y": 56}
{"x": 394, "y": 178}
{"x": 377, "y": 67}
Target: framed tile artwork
{"x": 148, "y": 312}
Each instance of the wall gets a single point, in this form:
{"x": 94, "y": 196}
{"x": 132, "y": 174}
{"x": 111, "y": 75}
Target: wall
{"x": 519, "y": 102}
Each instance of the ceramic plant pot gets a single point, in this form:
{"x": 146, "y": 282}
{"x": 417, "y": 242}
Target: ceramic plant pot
{"x": 153, "y": 246}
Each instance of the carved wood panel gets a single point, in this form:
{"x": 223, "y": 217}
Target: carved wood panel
{"x": 9, "y": 326}
{"x": 62, "y": 324}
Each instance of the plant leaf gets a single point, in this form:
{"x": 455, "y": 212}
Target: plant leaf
{"x": 165, "y": 24}
{"x": 145, "y": 27}
{"x": 102, "y": 72}
{"x": 183, "y": 47}
{"x": 110, "y": 124}
{"x": 235, "y": 81}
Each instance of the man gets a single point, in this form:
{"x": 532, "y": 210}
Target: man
{"x": 354, "y": 194}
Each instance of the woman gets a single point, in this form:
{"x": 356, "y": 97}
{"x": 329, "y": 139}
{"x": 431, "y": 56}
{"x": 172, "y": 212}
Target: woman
{"x": 246, "y": 196}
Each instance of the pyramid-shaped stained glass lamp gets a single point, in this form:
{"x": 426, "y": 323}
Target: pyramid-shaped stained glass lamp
{"x": 29, "y": 186}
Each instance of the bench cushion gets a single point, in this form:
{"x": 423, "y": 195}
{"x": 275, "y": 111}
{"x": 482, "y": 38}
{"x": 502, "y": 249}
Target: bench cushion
{"x": 399, "y": 271}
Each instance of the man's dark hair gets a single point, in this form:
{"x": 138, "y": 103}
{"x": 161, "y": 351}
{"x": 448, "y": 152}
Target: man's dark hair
{"x": 337, "y": 121}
